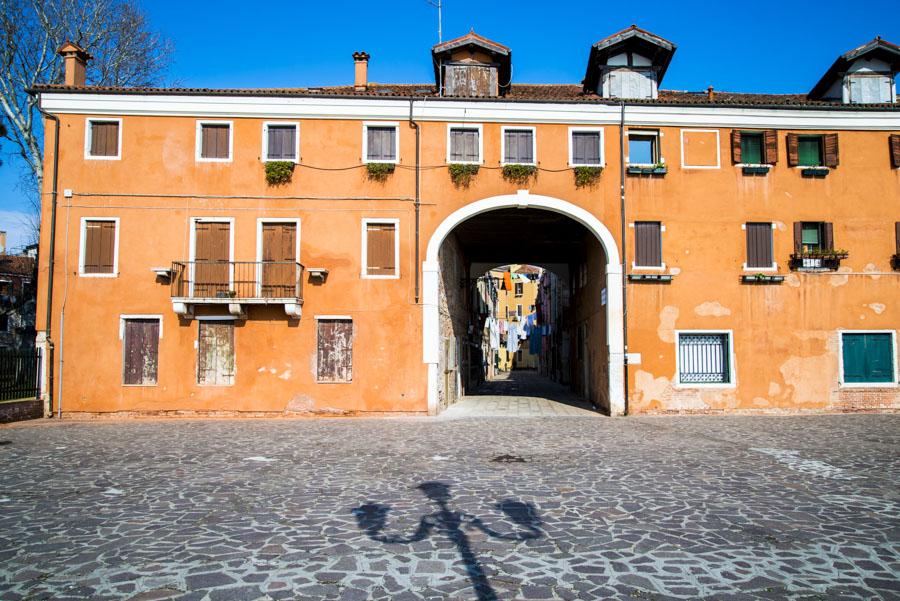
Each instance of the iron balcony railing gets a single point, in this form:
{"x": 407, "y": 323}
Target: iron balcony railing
{"x": 241, "y": 280}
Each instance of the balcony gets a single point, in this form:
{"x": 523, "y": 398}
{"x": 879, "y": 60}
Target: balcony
{"x": 236, "y": 284}
{"x": 818, "y": 260}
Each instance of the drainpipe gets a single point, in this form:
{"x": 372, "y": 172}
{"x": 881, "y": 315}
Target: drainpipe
{"x": 415, "y": 125}
{"x": 52, "y": 255}
{"x": 624, "y": 250}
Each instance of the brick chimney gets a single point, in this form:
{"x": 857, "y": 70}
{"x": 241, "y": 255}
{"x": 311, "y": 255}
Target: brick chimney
{"x": 2, "y": 243}
{"x": 360, "y": 71}
{"x": 76, "y": 59}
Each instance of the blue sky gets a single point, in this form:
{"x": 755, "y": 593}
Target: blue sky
{"x": 771, "y": 47}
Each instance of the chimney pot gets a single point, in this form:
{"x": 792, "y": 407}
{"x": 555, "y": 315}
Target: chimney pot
{"x": 710, "y": 93}
{"x": 76, "y": 59}
{"x": 360, "y": 71}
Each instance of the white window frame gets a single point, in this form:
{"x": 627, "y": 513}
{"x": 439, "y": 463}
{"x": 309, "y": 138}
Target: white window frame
{"x": 198, "y": 144}
{"x": 122, "y": 319}
{"x": 259, "y": 244}
{"x": 645, "y": 132}
{"x": 732, "y": 374}
{"x": 193, "y": 247}
{"x": 718, "y": 164}
{"x": 662, "y": 266}
{"x": 365, "y": 140}
{"x": 774, "y": 266}
{"x": 264, "y": 155}
{"x": 892, "y": 384}
{"x": 470, "y": 126}
{"x": 574, "y": 130}
{"x": 504, "y": 129}
{"x": 83, "y": 243}
{"x": 89, "y": 134}
{"x": 365, "y": 248}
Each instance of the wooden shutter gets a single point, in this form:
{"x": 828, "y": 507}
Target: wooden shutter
{"x": 99, "y": 246}
{"x": 798, "y": 237}
{"x": 214, "y": 140}
{"x": 770, "y": 147}
{"x": 215, "y": 357}
{"x": 879, "y": 358}
{"x": 897, "y": 236}
{"x": 279, "y": 269}
{"x": 464, "y": 145}
{"x": 380, "y": 245}
{"x": 854, "y": 355}
{"x": 281, "y": 142}
{"x": 586, "y": 148}
{"x": 212, "y": 254}
{"x": 647, "y": 244}
{"x": 759, "y": 245}
{"x": 895, "y": 150}
{"x": 141, "y": 352}
{"x": 381, "y": 144}
{"x": 334, "y": 350}
{"x": 793, "y": 150}
{"x": 828, "y": 235}
{"x": 830, "y": 145}
{"x": 104, "y": 138}
{"x": 736, "y": 146}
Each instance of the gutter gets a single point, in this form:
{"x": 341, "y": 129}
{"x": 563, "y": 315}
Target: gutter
{"x": 624, "y": 250}
{"x": 52, "y": 256}
{"x": 418, "y": 203}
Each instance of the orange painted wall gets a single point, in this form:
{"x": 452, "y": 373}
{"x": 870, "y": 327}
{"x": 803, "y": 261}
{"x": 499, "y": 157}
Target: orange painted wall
{"x": 785, "y": 336}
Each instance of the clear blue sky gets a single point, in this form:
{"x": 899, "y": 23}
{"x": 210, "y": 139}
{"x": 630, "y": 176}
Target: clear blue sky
{"x": 768, "y": 47}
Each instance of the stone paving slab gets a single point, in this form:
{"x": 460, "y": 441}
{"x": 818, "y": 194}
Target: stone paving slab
{"x": 520, "y": 393}
{"x": 522, "y": 508}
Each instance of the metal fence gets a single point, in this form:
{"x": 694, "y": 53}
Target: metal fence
{"x": 20, "y": 374}
{"x": 237, "y": 279}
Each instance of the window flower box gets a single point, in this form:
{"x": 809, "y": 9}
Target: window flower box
{"x": 818, "y": 260}
{"x": 762, "y": 278}
{"x": 663, "y": 278}
{"x": 815, "y": 172}
{"x": 646, "y": 170}
{"x": 755, "y": 169}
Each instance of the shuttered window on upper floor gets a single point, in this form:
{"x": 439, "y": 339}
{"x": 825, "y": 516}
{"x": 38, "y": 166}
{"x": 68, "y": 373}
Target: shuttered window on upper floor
{"x": 648, "y": 244}
{"x": 281, "y": 142}
{"x": 215, "y": 141}
{"x": 98, "y": 247}
{"x": 381, "y": 246}
{"x": 518, "y": 146}
{"x": 103, "y": 138}
{"x": 586, "y": 147}
{"x": 754, "y": 147}
{"x": 759, "y": 245}
{"x": 816, "y": 150}
{"x": 464, "y": 145}
{"x": 894, "y": 141}
{"x": 381, "y": 143}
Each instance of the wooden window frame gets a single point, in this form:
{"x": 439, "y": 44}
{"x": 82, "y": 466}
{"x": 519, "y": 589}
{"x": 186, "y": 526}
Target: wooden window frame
{"x": 89, "y": 134}
{"x": 365, "y": 140}
{"x": 662, "y": 265}
{"x": 260, "y": 222}
{"x": 365, "y": 250}
{"x": 192, "y": 246}
{"x": 264, "y": 156}
{"x": 471, "y": 127}
{"x": 83, "y": 248}
{"x": 774, "y": 266}
{"x": 656, "y": 149}
{"x": 601, "y": 141}
{"x": 820, "y": 140}
{"x": 506, "y": 128}
{"x": 762, "y": 149}
{"x": 842, "y": 384}
{"x": 732, "y": 374}
{"x": 718, "y": 164}
{"x": 232, "y": 319}
{"x": 122, "y": 319}
{"x": 198, "y": 145}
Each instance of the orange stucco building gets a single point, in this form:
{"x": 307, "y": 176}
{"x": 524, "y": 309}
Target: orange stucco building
{"x": 294, "y": 251}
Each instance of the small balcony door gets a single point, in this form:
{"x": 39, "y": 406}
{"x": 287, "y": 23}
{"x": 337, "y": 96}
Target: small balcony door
{"x": 279, "y": 260}
{"x": 212, "y": 256}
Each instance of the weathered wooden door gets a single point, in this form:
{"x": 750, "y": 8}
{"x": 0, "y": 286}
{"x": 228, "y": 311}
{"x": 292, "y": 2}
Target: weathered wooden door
{"x": 334, "y": 356}
{"x": 211, "y": 258}
{"x": 215, "y": 360}
{"x": 279, "y": 269}
{"x": 141, "y": 342}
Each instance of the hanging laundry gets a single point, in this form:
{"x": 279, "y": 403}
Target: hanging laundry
{"x": 507, "y": 281}
{"x": 512, "y": 340}
{"x": 494, "y": 334}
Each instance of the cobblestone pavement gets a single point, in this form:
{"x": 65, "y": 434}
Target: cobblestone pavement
{"x": 519, "y": 393}
{"x": 545, "y": 508}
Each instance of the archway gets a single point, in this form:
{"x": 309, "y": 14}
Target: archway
{"x": 523, "y": 200}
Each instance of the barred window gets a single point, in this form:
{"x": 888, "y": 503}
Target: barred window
{"x": 703, "y": 358}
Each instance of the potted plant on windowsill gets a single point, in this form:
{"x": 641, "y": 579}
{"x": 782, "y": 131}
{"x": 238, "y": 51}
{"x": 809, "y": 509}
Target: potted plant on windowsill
{"x": 279, "y": 172}
{"x": 833, "y": 254}
{"x": 587, "y": 175}
{"x": 655, "y": 169}
{"x": 755, "y": 169}
{"x": 762, "y": 278}
{"x": 518, "y": 173}
{"x": 814, "y": 171}
{"x": 379, "y": 172}
{"x": 461, "y": 174}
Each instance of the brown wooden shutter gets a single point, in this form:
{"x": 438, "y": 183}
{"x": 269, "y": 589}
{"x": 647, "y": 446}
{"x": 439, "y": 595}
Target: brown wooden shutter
{"x": 212, "y": 254}
{"x": 831, "y": 150}
{"x": 141, "y": 352}
{"x": 897, "y": 236}
{"x": 104, "y": 138}
{"x": 334, "y": 350}
{"x": 793, "y": 150}
{"x": 736, "y": 146}
{"x": 99, "y": 246}
{"x": 770, "y": 145}
{"x": 798, "y": 236}
{"x": 380, "y": 249}
{"x": 894, "y": 141}
{"x": 828, "y": 243}
{"x": 647, "y": 244}
{"x": 279, "y": 247}
{"x": 759, "y": 245}
{"x": 214, "y": 140}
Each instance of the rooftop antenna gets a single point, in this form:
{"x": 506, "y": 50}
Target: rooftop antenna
{"x": 438, "y": 5}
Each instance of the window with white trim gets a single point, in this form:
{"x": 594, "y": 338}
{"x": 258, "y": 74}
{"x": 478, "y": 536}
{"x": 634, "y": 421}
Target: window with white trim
{"x": 868, "y": 358}
{"x": 381, "y": 249}
{"x": 140, "y": 350}
{"x": 214, "y": 141}
{"x": 518, "y": 146}
{"x": 99, "y": 247}
{"x": 643, "y": 148}
{"x": 704, "y": 358}
{"x": 585, "y": 147}
{"x": 103, "y": 139}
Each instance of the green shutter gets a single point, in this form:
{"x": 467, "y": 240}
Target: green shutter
{"x": 854, "y": 358}
{"x": 879, "y": 358}
{"x": 810, "y": 149}
{"x": 751, "y": 148}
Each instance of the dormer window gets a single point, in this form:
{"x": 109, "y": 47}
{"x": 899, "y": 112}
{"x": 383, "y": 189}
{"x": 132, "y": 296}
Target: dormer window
{"x": 865, "y": 75}
{"x": 628, "y": 64}
{"x": 631, "y": 83}
{"x": 471, "y": 66}
{"x": 869, "y": 88}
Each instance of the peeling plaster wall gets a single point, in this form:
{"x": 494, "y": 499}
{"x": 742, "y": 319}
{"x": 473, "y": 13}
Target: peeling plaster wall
{"x": 453, "y": 313}
{"x": 590, "y": 312}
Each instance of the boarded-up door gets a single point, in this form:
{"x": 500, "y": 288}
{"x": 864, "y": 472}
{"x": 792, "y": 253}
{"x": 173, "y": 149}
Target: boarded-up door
{"x": 334, "y": 356}
{"x": 279, "y": 270}
{"x": 141, "y": 352}
{"x": 211, "y": 256}
{"x": 215, "y": 360}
